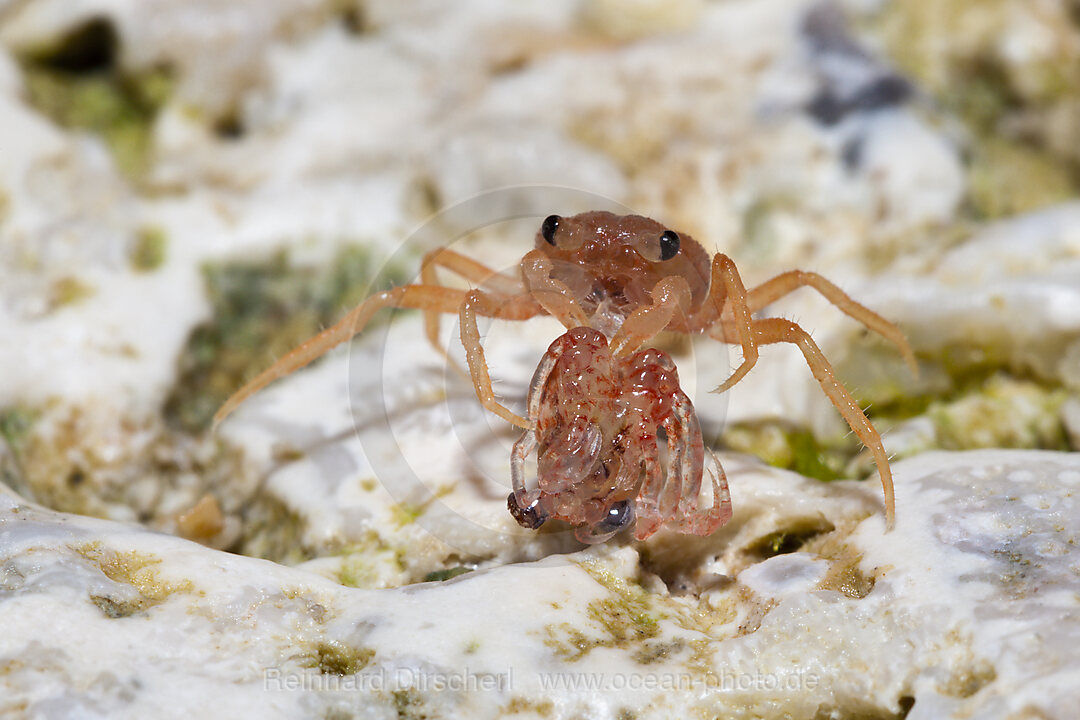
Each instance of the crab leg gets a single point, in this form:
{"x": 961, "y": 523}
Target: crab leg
{"x": 521, "y": 450}
{"x": 778, "y": 330}
{"x": 465, "y": 267}
{"x": 421, "y": 297}
{"x": 686, "y": 454}
{"x": 478, "y": 302}
{"x": 650, "y": 516}
{"x": 726, "y": 291}
{"x": 784, "y": 283}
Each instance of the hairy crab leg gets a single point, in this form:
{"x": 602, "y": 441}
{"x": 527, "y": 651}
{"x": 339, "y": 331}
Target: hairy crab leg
{"x": 784, "y": 283}
{"x": 778, "y": 330}
{"x": 669, "y": 296}
{"x": 467, "y": 268}
{"x": 420, "y": 297}
{"x": 553, "y": 295}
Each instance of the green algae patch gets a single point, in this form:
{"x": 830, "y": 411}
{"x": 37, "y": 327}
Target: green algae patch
{"x": 261, "y": 310}
{"x": 786, "y": 540}
{"x": 626, "y": 618}
{"x": 983, "y": 407}
{"x": 788, "y": 446}
{"x": 274, "y": 531}
{"x": 371, "y": 562}
{"x": 1004, "y": 412}
{"x": 1007, "y": 178}
{"x": 447, "y": 574}
{"x": 76, "y": 81}
{"x": 114, "y": 608}
{"x": 16, "y": 423}
{"x": 633, "y": 619}
{"x": 406, "y": 513}
{"x": 409, "y": 704}
{"x": 149, "y": 250}
{"x": 120, "y": 111}
{"x": 967, "y": 398}
{"x": 138, "y": 570}
{"x": 68, "y": 290}
{"x": 519, "y": 704}
{"x": 90, "y": 461}
{"x": 334, "y": 658}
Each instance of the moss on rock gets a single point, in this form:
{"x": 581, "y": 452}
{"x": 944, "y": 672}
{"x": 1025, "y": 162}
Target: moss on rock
{"x": 261, "y": 310}
{"x": 78, "y": 82}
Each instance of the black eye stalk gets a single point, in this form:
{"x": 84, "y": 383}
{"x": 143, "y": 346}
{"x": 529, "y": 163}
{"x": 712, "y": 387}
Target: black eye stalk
{"x": 547, "y": 230}
{"x": 669, "y": 244}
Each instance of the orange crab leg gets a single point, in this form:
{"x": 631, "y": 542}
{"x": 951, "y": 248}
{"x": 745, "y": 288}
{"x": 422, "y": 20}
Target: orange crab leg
{"x": 784, "y": 283}
{"x": 726, "y": 289}
{"x": 420, "y": 297}
{"x": 475, "y": 272}
{"x": 478, "y": 302}
{"x": 778, "y": 330}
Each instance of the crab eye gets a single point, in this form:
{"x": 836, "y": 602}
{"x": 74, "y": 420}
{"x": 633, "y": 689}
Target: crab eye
{"x": 547, "y": 230}
{"x": 669, "y": 245}
{"x": 618, "y": 515}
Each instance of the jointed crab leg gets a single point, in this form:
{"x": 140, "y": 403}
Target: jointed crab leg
{"x": 478, "y": 302}
{"x": 521, "y": 450}
{"x": 687, "y": 451}
{"x": 673, "y": 494}
{"x": 726, "y": 291}
{"x": 777, "y": 330}
{"x": 654, "y": 506}
{"x": 420, "y": 297}
{"x": 465, "y": 267}
{"x": 784, "y": 283}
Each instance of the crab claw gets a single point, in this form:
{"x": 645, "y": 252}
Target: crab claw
{"x": 570, "y": 456}
{"x": 531, "y": 514}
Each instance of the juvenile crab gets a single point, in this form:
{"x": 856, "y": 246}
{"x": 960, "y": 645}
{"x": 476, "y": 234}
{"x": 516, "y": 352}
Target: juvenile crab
{"x": 599, "y": 466}
{"x": 627, "y": 277}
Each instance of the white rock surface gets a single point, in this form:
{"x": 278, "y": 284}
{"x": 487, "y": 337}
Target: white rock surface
{"x": 969, "y": 606}
{"x": 760, "y": 127}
